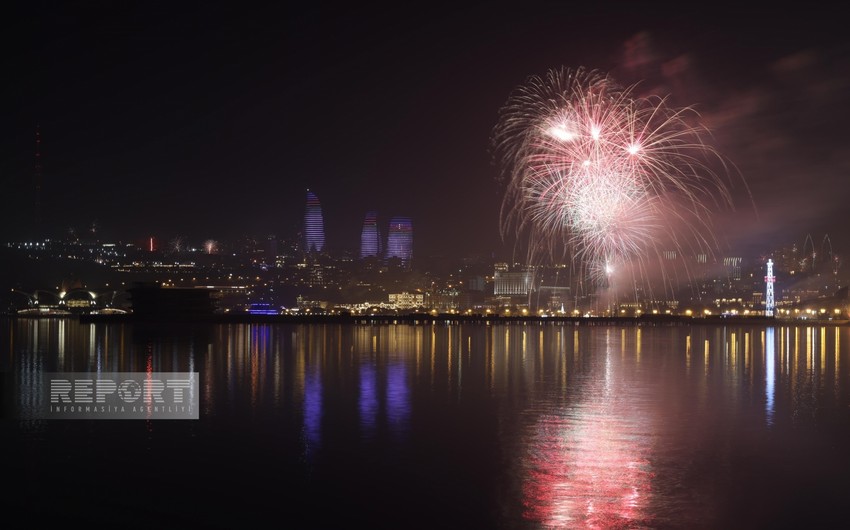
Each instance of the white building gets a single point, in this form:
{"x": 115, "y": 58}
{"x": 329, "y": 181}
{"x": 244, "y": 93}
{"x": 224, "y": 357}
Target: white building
{"x": 407, "y": 300}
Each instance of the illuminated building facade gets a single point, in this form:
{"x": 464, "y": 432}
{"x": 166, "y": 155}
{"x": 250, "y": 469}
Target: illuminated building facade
{"x": 400, "y": 240}
{"x": 516, "y": 283}
{"x": 370, "y": 237}
{"x": 314, "y": 225}
{"x": 733, "y": 267}
{"x": 406, "y": 300}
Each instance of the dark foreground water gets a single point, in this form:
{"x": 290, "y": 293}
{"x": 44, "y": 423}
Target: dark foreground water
{"x": 439, "y": 426}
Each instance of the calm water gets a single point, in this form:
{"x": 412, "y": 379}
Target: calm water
{"x": 443, "y": 426}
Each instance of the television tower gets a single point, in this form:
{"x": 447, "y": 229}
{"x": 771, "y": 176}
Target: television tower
{"x": 769, "y": 280}
{"x": 37, "y": 182}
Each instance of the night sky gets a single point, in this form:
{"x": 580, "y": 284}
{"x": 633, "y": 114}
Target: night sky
{"x": 211, "y": 120}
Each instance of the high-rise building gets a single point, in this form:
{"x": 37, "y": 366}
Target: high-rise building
{"x": 732, "y": 264}
{"x": 400, "y": 240}
{"x": 370, "y": 237}
{"x": 314, "y": 225}
{"x": 271, "y": 249}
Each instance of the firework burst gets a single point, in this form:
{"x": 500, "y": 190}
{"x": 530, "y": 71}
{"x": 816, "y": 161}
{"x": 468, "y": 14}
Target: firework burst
{"x": 603, "y": 178}
{"x": 177, "y": 244}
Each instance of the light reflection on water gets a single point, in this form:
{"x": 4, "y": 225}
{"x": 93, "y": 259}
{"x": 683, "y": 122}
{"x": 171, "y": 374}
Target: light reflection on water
{"x": 547, "y": 426}
{"x": 587, "y": 461}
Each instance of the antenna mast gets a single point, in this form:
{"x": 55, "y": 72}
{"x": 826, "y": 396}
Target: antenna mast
{"x": 37, "y": 181}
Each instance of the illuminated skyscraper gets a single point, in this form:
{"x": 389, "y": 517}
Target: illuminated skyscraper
{"x": 400, "y": 240}
{"x": 370, "y": 237}
{"x": 314, "y": 225}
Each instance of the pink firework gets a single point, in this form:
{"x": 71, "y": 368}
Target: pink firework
{"x": 600, "y": 176}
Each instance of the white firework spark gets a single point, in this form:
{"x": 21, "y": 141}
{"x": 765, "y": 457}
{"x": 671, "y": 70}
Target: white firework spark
{"x": 602, "y": 177}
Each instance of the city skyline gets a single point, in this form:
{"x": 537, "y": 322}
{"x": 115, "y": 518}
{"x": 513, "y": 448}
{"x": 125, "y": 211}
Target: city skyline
{"x": 85, "y": 275}
{"x": 147, "y": 127}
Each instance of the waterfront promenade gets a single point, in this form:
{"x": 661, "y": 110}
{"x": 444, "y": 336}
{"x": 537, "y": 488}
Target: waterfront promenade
{"x": 450, "y": 318}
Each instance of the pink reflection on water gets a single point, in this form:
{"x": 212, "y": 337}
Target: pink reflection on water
{"x": 588, "y": 464}
{"x": 586, "y": 471}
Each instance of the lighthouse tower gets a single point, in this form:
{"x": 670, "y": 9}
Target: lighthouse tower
{"x": 769, "y": 280}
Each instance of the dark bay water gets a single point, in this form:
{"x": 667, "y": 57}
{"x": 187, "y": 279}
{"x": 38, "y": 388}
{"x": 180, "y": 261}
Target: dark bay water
{"x": 440, "y": 426}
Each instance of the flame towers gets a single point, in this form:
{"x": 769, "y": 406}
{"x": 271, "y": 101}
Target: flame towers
{"x": 314, "y": 225}
{"x": 400, "y": 240}
{"x": 370, "y": 237}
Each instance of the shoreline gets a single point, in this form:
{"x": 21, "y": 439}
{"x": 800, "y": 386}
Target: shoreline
{"x": 428, "y": 318}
